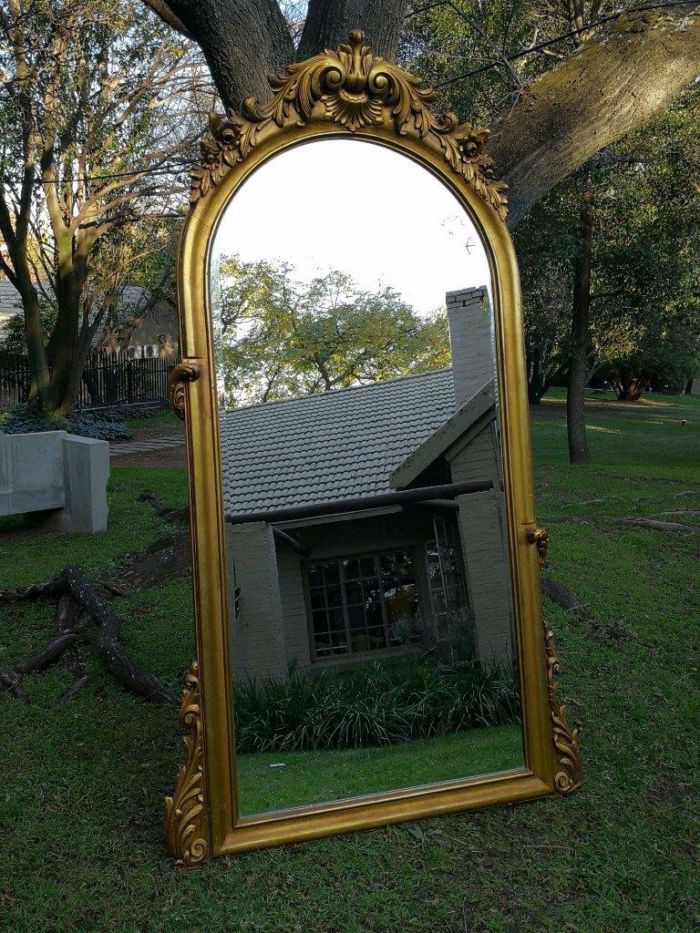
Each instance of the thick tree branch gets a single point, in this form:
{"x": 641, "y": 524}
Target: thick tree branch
{"x": 166, "y": 14}
{"x": 242, "y": 40}
{"x": 330, "y": 22}
{"x": 612, "y": 86}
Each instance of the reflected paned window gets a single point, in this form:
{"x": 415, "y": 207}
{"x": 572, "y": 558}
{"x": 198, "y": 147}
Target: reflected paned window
{"x": 359, "y": 603}
{"x": 445, "y": 567}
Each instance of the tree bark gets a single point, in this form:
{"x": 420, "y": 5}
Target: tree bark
{"x": 242, "y": 40}
{"x": 578, "y": 362}
{"x": 632, "y": 71}
{"x": 330, "y": 22}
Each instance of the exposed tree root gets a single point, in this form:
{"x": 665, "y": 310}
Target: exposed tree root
{"x": 163, "y": 511}
{"x": 567, "y": 600}
{"x": 164, "y": 561}
{"x": 77, "y": 596}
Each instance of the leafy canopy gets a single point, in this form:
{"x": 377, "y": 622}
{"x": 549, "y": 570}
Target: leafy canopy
{"x": 280, "y": 337}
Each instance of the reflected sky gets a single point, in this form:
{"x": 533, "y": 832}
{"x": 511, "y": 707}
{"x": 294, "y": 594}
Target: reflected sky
{"x": 360, "y": 208}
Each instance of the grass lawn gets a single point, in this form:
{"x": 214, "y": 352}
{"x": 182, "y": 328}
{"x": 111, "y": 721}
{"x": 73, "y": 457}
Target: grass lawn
{"x": 82, "y": 783}
{"x": 276, "y": 780}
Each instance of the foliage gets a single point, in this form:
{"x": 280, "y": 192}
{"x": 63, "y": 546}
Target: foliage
{"x": 97, "y": 115}
{"x": 645, "y": 319}
{"x": 13, "y": 336}
{"x": 374, "y": 705}
{"x": 20, "y": 419}
{"x": 282, "y": 338}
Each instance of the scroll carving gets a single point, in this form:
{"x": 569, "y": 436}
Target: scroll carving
{"x": 540, "y": 538}
{"x": 180, "y": 375}
{"x": 353, "y": 89}
{"x": 567, "y": 778}
{"x": 186, "y": 825}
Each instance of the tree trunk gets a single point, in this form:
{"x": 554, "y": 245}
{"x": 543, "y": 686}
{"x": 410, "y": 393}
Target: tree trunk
{"x": 578, "y": 362}
{"x": 242, "y": 41}
{"x": 628, "y": 386}
{"x": 245, "y": 40}
{"x": 330, "y": 22}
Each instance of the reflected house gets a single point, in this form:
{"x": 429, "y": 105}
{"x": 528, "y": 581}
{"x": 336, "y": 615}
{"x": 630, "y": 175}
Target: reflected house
{"x": 367, "y": 519}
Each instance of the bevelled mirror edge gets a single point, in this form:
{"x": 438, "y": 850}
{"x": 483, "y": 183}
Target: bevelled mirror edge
{"x": 202, "y": 815}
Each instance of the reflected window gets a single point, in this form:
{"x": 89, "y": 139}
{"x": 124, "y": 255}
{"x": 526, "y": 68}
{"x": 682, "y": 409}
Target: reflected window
{"x": 359, "y": 603}
{"x": 446, "y": 580}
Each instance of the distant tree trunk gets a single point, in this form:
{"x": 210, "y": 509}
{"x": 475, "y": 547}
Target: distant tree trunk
{"x": 580, "y": 339}
{"x": 629, "y": 386}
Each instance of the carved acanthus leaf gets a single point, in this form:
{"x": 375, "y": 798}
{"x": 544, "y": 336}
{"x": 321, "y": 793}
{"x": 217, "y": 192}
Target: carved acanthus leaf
{"x": 353, "y": 89}
{"x": 186, "y": 826}
{"x": 567, "y": 778}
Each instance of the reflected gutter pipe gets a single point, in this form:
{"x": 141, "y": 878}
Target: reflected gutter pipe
{"x": 400, "y": 497}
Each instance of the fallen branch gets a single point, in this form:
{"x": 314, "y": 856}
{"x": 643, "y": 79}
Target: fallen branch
{"x": 36, "y": 661}
{"x": 35, "y": 591}
{"x": 164, "y": 511}
{"x": 162, "y": 562}
{"x": 656, "y": 525}
{"x": 112, "y": 653}
{"x": 567, "y": 600}
{"x": 78, "y": 594}
{"x": 66, "y": 618}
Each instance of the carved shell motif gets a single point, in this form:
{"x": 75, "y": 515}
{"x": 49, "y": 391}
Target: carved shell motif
{"x": 567, "y": 778}
{"x": 186, "y": 827}
{"x": 354, "y": 89}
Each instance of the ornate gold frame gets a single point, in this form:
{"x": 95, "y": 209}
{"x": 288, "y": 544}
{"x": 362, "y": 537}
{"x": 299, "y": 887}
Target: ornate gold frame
{"x": 347, "y": 92}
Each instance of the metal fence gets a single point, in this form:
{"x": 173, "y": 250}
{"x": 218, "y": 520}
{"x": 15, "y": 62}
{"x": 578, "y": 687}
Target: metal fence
{"x": 108, "y": 379}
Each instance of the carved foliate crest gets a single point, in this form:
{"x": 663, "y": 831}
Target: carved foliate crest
{"x": 186, "y": 826}
{"x": 567, "y": 778}
{"x": 353, "y": 89}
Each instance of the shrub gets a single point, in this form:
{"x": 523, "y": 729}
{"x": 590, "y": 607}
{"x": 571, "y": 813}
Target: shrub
{"x": 374, "y": 705}
{"x": 22, "y": 420}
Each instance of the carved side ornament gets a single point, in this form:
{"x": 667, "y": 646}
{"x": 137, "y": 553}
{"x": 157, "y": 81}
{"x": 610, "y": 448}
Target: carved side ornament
{"x": 354, "y": 89}
{"x": 186, "y": 826}
{"x": 180, "y": 375}
{"x": 568, "y": 775}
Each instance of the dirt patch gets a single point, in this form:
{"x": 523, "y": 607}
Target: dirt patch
{"x": 175, "y": 457}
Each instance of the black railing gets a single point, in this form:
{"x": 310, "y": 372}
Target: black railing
{"x": 108, "y": 379}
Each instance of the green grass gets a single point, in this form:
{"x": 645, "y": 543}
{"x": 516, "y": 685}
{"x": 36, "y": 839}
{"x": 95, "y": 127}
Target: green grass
{"x": 81, "y": 785}
{"x": 275, "y": 780}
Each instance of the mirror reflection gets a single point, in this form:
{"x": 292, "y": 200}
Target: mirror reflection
{"x": 368, "y": 568}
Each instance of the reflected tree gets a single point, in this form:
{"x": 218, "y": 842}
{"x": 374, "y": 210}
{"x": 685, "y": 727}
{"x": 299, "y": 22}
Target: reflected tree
{"x": 281, "y": 337}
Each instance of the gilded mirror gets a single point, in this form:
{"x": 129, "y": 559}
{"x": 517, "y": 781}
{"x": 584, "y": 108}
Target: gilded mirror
{"x": 369, "y": 631}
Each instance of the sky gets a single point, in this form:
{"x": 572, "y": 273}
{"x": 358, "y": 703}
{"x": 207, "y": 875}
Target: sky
{"x": 360, "y": 208}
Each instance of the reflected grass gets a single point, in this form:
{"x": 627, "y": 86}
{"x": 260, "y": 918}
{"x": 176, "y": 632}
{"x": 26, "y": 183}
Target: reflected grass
{"x": 276, "y": 780}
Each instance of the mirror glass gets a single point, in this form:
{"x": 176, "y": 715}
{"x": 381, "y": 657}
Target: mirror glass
{"x": 370, "y": 602}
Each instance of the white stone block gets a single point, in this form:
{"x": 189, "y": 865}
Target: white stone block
{"x": 31, "y": 472}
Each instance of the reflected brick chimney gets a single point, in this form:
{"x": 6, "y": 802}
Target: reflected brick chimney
{"x": 471, "y": 341}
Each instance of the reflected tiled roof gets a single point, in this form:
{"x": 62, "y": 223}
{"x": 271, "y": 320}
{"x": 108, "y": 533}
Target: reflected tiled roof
{"x": 336, "y": 445}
